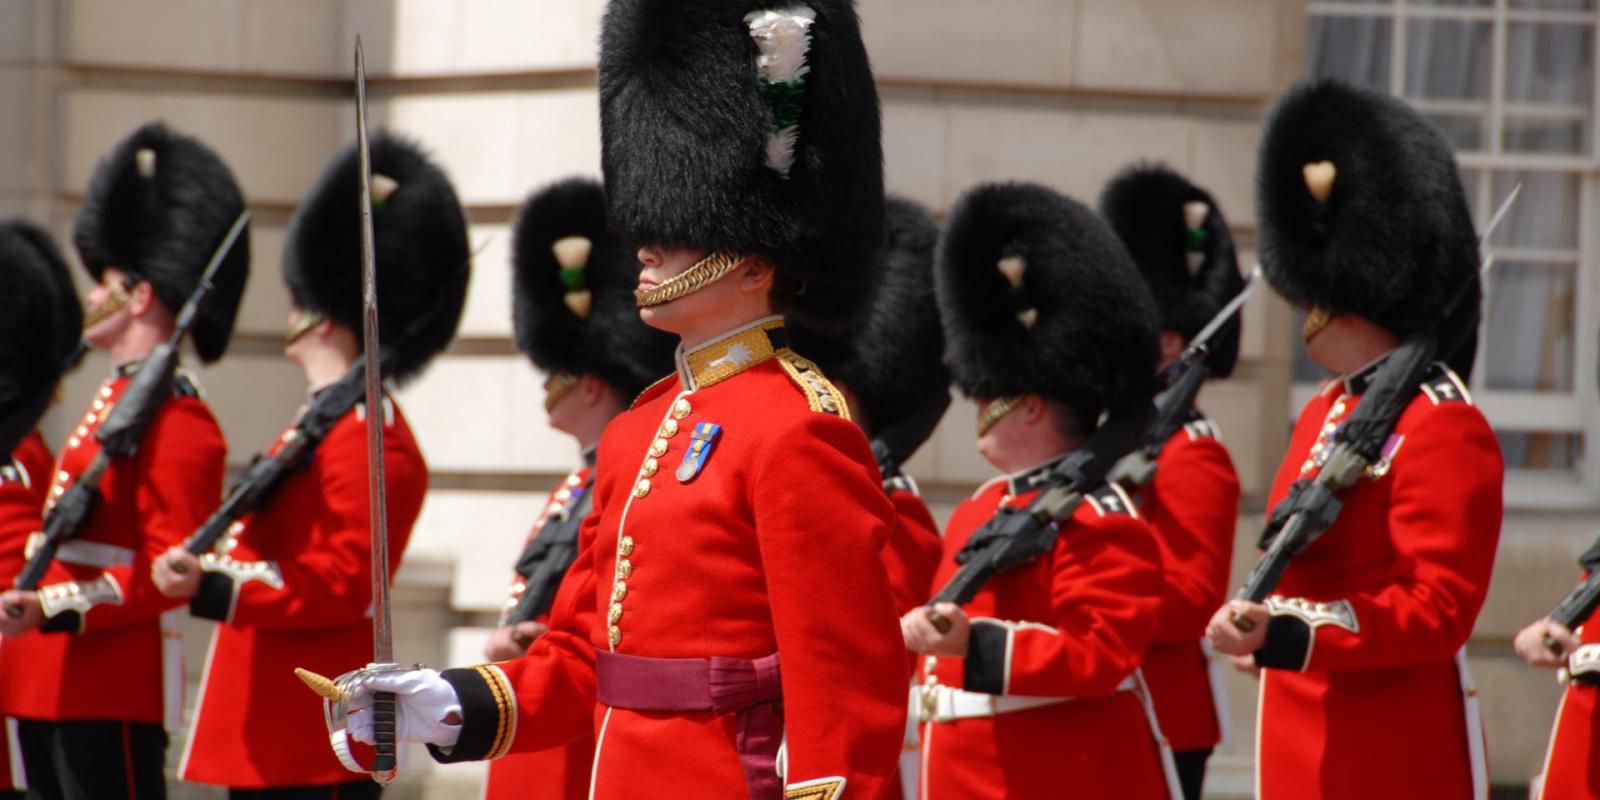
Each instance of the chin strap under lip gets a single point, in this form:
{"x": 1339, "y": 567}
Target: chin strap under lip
{"x": 708, "y": 270}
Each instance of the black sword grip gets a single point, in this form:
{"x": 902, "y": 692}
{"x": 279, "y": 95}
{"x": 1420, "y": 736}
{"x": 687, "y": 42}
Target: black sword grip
{"x": 383, "y": 732}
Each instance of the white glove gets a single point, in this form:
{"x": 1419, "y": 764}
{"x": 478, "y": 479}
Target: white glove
{"x": 423, "y": 701}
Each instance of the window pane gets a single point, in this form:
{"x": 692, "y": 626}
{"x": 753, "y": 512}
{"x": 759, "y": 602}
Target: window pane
{"x": 1447, "y": 59}
{"x": 1531, "y": 311}
{"x": 1545, "y": 214}
{"x": 1463, "y": 132}
{"x": 1551, "y": 64}
{"x": 1558, "y": 136}
{"x": 1541, "y": 450}
{"x": 1355, "y": 49}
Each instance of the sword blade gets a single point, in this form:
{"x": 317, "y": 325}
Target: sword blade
{"x": 382, "y": 635}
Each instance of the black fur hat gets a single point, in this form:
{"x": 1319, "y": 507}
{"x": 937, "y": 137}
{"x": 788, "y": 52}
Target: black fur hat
{"x": 693, "y": 138}
{"x": 1393, "y": 240}
{"x": 1038, "y": 296}
{"x": 41, "y": 322}
{"x": 158, "y": 206}
{"x": 1179, "y": 239}
{"x": 893, "y": 360}
{"x": 419, "y": 237}
{"x": 582, "y": 318}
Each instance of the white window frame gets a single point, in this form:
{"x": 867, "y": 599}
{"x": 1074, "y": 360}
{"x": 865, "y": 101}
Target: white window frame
{"x": 1577, "y": 412}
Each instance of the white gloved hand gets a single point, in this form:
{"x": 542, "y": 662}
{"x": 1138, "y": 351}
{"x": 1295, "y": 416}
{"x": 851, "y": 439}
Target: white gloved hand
{"x": 423, "y": 703}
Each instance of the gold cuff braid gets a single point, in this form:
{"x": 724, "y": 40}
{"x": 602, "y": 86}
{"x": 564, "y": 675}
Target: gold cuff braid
{"x": 995, "y": 411}
{"x": 704, "y": 272}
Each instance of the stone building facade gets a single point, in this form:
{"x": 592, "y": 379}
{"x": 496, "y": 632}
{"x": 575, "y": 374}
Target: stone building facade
{"x": 503, "y": 92}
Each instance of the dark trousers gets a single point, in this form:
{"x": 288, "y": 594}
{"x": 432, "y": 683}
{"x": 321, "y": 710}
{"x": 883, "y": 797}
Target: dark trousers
{"x": 1192, "y": 771}
{"x": 354, "y": 790}
{"x": 93, "y": 759}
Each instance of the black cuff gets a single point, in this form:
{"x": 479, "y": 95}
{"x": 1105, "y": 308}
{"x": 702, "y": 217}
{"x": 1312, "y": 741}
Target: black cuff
{"x": 64, "y": 622}
{"x": 1288, "y": 643}
{"x": 214, "y": 599}
{"x": 486, "y": 711}
{"x": 986, "y": 659}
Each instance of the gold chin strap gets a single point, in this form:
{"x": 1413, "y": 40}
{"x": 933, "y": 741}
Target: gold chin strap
{"x": 308, "y": 320}
{"x": 997, "y": 409}
{"x": 1316, "y": 319}
{"x": 704, "y": 272}
{"x": 113, "y": 303}
{"x": 561, "y": 384}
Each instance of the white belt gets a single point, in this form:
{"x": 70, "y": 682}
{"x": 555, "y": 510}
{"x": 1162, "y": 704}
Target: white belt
{"x": 947, "y": 704}
{"x": 88, "y": 554}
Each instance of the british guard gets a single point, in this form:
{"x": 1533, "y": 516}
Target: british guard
{"x": 1177, "y": 234}
{"x": 290, "y": 584}
{"x": 1364, "y": 225}
{"x": 41, "y": 324}
{"x": 93, "y": 672}
{"x": 736, "y": 635}
{"x": 1570, "y": 770}
{"x": 576, "y": 320}
{"x": 1035, "y": 685}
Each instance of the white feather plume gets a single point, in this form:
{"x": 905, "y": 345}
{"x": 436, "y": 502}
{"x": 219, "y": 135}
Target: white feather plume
{"x": 783, "y": 37}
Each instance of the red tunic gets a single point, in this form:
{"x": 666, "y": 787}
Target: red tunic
{"x": 292, "y": 586}
{"x": 1571, "y": 770}
{"x": 912, "y": 552}
{"x": 1363, "y": 696}
{"x": 1193, "y": 506}
{"x": 557, "y": 773}
{"x": 112, "y": 650}
{"x": 773, "y": 546}
{"x": 1072, "y": 625}
{"x": 23, "y": 483}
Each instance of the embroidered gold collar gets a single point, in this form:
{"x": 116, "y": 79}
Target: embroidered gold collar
{"x": 739, "y": 350}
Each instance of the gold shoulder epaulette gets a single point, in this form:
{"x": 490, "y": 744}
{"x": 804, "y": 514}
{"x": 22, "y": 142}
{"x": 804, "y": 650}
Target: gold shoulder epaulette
{"x": 820, "y": 393}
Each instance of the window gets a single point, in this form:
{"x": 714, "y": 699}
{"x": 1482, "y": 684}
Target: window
{"x": 1512, "y": 85}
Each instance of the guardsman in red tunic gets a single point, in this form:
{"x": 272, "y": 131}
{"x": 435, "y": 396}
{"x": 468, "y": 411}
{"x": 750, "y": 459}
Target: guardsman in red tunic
{"x": 94, "y": 674}
{"x": 891, "y": 372}
{"x": 1180, "y": 240}
{"x": 1571, "y": 772}
{"x": 1364, "y": 224}
{"x": 735, "y": 633}
{"x": 575, "y": 318}
{"x": 40, "y": 326}
{"x": 290, "y": 584}
{"x": 1035, "y": 685}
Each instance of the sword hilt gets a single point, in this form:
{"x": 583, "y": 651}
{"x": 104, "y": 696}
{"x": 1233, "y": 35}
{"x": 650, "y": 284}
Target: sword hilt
{"x": 384, "y": 763}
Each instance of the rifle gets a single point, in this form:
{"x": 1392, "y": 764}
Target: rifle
{"x": 1580, "y": 603}
{"x": 548, "y": 557}
{"x": 1311, "y": 507}
{"x": 894, "y": 444}
{"x": 266, "y": 473}
{"x": 1017, "y": 535}
{"x": 123, "y": 428}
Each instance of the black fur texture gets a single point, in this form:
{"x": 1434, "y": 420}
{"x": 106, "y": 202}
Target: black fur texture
{"x": 1144, "y": 205}
{"x": 165, "y": 228}
{"x": 612, "y": 343}
{"x": 894, "y": 360}
{"x": 1094, "y": 346}
{"x": 41, "y": 322}
{"x": 419, "y": 239}
{"x": 1394, "y": 243}
{"x": 683, "y": 138}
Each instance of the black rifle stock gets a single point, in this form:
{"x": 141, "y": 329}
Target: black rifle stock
{"x": 1173, "y": 405}
{"x": 547, "y": 558}
{"x": 1016, "y": 535}
{"x": 124, "y": 427}
{"x": 1312, "y": 507}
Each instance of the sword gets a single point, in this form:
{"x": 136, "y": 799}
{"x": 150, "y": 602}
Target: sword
{"x": 383, "y": 710}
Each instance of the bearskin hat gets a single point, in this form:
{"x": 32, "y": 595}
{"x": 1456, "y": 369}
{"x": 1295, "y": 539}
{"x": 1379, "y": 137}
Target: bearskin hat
{"x": 893, "y": 361}
{"x": 749, "y": 126}
{"x": 419, "y": 235}
{"x": 1391, "y": 239}
{"x": 1038, "y": 296}
{"x": 158, "y": 206}
{"x": 41, "y": 322}
{"x": 572, "y": 292}
{"x": 1180, "y": 241}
